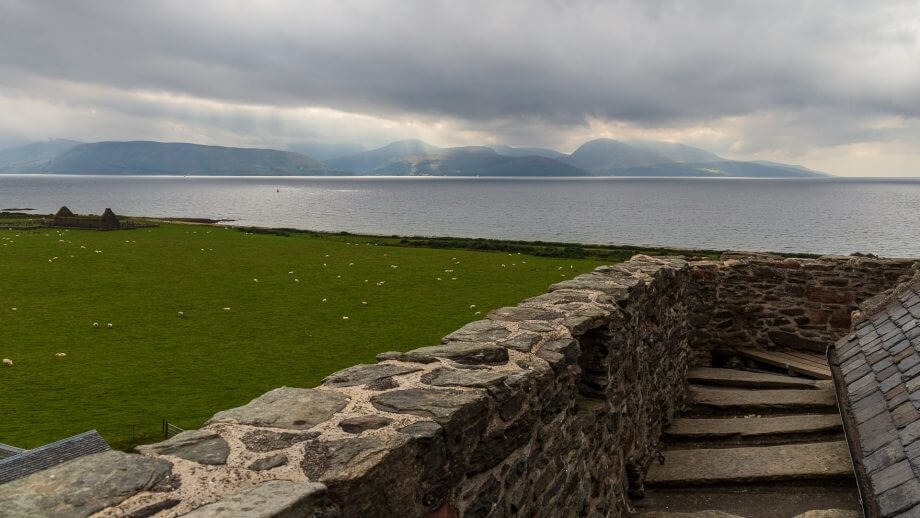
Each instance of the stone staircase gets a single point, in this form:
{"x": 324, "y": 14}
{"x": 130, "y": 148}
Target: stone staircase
{"x": 753, "y": 445}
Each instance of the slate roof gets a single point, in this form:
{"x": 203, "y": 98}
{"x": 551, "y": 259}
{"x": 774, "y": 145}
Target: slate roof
{"x": 27, "y": 462}
{"x": 879, "y": 364}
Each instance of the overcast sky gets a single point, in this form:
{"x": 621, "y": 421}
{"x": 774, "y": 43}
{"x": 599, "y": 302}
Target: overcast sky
{"x": 833, "y": 85}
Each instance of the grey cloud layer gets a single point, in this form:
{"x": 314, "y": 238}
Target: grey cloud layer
{"x": 644, "y": 63}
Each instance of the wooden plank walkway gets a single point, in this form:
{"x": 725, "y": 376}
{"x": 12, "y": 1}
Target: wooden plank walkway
{"x": 797, "y": 362}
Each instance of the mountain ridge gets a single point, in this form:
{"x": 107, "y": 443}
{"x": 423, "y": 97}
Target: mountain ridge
{"x": 411, "y": 157}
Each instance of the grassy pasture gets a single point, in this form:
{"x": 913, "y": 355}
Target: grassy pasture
{"x": 153, "y": 364}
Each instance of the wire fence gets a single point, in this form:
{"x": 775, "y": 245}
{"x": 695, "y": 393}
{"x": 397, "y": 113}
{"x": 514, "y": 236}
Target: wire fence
{"x": 170, "y": 429}
{"x": 126, "y": 435}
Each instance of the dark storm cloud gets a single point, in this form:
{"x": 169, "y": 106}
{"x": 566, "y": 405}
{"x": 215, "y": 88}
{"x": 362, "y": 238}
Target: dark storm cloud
{"x": 636, "y": 61}
{"x": 511, "y": 66}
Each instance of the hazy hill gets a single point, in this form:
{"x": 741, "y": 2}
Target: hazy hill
{"x": 787, "y": 166}
{"x": 476, "y": 161}
{"x": 325, "y": 150}
{"x": 676, "y": 152}
{"x": 601, "y": 155}
{"x": 607, "y": 157}
{"x": 527, "y": 151}
{"x": 369, "y": 161}
{"x": 35, "y": 156}
{"x": 143, "y": 157}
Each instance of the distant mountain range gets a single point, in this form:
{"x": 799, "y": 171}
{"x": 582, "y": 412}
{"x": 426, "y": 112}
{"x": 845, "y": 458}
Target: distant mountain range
{"x": 601, "y": 157}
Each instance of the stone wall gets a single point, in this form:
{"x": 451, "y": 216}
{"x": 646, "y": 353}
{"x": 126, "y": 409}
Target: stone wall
{"x": 773, "y": 302}
{"x": 549, "y": 408}
{"x": 553, "y": 407}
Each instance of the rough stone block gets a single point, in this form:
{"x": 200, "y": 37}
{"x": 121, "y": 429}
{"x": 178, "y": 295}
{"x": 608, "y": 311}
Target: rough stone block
{"x": 285, "y": 407}
{"x": 479, "y": 331}
{"x": 275, "y": 498}
{"x": 444, "y": 406}
{"x": 363, "y": 423}
{"x": 194, "y": 445}
{"x": 469, "y": 353}
{"x": 464, "y": 378}
{"x": 363, "y": 374}
{"x": 82, "y": 486}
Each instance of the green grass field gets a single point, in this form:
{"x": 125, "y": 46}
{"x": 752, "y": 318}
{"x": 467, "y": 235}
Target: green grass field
{"x": 55, "y": 284}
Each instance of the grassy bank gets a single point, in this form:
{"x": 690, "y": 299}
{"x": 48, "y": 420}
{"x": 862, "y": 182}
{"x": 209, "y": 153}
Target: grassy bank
{"x": 281, "y": 328}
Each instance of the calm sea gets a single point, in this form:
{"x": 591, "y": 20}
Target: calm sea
{"x": 837, "y": 216}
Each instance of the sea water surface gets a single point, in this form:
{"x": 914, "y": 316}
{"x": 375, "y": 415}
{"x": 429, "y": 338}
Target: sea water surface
{"x": 824, "y": 215}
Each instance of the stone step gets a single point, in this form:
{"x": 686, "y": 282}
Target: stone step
{"x": 708, "y": 401}
{"x": 799, "y": 501}
{"x": 821, "y": 461}
{"x": 731, "y": 431}
{"x": 746, "y": 379}
{"x": 710, "y": 513}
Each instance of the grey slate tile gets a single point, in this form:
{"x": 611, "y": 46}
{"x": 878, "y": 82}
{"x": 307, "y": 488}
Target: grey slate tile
{"x": 892, "y": 476}
{"x": 868, "y": 407}
{"x": 890, "y": 382}
{"x": 909, "y": 362}
{"x": 910, "y": 433}
{"x": 913, "y": 512}
{"x": 877, "y": 432}
{"x": 886, "y": 456}
{"x": 900, "y": 498}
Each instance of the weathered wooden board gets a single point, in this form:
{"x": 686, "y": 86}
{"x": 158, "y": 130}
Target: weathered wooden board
{"x": 798, "y": 362}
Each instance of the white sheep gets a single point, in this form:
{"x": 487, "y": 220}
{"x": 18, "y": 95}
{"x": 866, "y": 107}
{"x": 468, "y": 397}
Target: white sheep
{"x": 95, "y": 324}
{"x": 109, "y": 325}
{"x": 181, "y": 314}
{"x": 226, "y": 309}
{"x": 60, "y": 355}
{"x": 8, "y": 362}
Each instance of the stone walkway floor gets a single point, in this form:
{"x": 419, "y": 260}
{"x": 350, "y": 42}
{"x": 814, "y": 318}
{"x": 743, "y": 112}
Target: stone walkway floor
{"x": 753, "y": 445}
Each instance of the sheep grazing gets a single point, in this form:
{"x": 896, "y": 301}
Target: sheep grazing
{"x": 95, "y": 324}
{"x": 8, "y": 362}
{"x": 226, "y": 309}
{"x": 181, "y": 314}
{"x": 296, "y": 280}
{"x": 109, "y": 325}
{"x": 60, "y": 355}
{"x": 344, "y": 317}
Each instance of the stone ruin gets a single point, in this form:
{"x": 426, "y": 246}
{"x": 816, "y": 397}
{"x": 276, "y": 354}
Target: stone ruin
{"x": 65, "y": 218}
{"x": 553, "y": 407}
